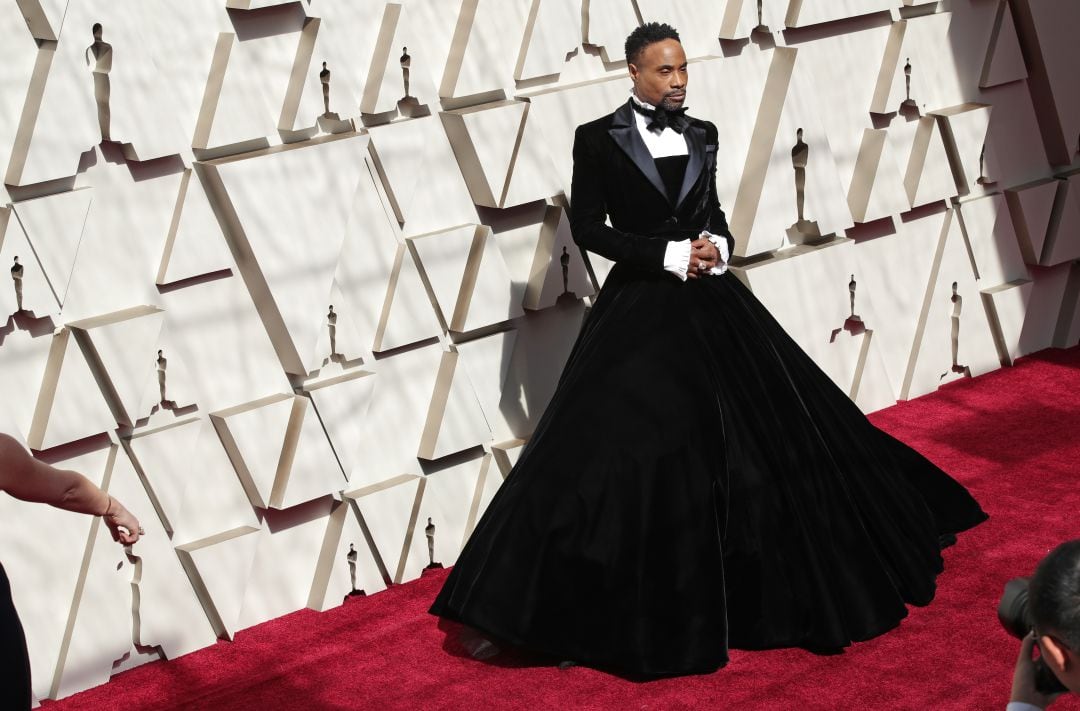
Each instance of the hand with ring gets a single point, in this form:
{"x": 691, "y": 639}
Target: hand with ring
{"x": 703, "y": 257}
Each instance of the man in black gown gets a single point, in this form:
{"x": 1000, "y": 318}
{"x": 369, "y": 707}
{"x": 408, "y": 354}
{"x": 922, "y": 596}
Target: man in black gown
{"x": 696, "y": 482}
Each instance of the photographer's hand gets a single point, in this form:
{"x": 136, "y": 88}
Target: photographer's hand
{"x": 1023, "y": 686}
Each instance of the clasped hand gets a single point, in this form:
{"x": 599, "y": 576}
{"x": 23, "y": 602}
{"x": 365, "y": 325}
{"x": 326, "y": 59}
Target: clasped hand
{"x": 703, "y": 256}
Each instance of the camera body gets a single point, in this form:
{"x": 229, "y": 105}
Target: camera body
{"x": 1015, "y": 616}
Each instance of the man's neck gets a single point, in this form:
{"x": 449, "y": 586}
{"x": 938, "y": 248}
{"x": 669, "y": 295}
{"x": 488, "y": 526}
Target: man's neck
{"x": 637, "y": 100}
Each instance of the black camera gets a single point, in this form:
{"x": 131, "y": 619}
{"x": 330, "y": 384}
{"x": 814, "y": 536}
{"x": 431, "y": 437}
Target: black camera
{"x": 1015, "y": 617}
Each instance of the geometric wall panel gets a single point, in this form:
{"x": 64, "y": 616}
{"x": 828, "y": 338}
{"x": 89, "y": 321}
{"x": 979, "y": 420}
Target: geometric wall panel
{"x": 389, "y": 512}
{"x": 468, "y": 276}
{"x": 1049, "y": 296}
{"x": 928, "y": 177}
{"x": 446, "y": 500}
{"x": 342, "y": 403}
{"x": 811, "y": 12}
{"x": 59, "y": 121}
{"x": 38, "y": 298}
{"x": 843, "y": 82}
{"x": 279, "y": 450}
{"x": 44, "y": 18}
{"x": 1004, "y": 58}
{"x": 876, "y": 189}
{"x": 286, "y": 223}
{"x": 741, "y": 18}
{"x": 54, "y": 226}
{"x": 486, "y": 488}
{"x": 219, "y": 567}
{"x": 501, "y": 154}
{"x": 545, "y": 260}
{"x": 345, "y": 41}
{"x": 120, "y": 251}
{"x": 122, "y": 345}
{"x": 923, "y": 45}
{"x": 212, "y": 331}
{"x": 552, "y": 31}
{"x": 195, "y": 244}
{"x": 964, "y": 128}
{"x": 1047, "y": 29}
{"x": 790, "y": 190}
{"x": 339, "y": 572}
{"x": 421, "y": 176}
{"x": 214, "y": 500}
{"x": 1063, "y": 235}
{"x": 24, "y": 359}
{"x": 606, "y": 25}
{"x": 1032, "y": 207}
{"x": 170, "y": 616}
{"x": 286, "y": 562}
{"x": 455, "y": 421}
{"x": 954, "y": 338}
{"x": 485, "y": 28}
{"x": 99, "y": 619}
{"x": 988, "y": 228}
{"x": 70, "y": 405}
{"x": 405, "y": 41}
{"x": 381, "y": 288}
{"x": 818, "y": 325}
{"x": 505, "y": 456}
{"x": 893, "y": 273}
{"x": 391, "y": 434}
{"x": 254, "y": 435}
{"x": 138, "y": 93}
{"x": 249, "y": 80}
{"x": 487, "y": 362}
{"x": 1007, "y": 307}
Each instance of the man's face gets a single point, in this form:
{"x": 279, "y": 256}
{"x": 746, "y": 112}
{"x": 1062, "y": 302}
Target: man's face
{"x": 659, "y": 74}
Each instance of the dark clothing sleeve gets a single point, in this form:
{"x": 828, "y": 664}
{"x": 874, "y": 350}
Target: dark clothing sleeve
{"x": 717, "y": 220}
{"x": 588, "y": 211}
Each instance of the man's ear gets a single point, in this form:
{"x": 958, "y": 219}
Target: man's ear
{"x": 1058, "y": 658}
{"x": 633, "y": 71}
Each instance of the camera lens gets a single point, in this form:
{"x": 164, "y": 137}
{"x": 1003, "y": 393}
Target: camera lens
{"x": 1013, "y": 608}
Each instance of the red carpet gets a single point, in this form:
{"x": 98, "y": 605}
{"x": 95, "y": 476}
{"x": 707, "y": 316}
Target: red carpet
{"x": 1010, "y": 437}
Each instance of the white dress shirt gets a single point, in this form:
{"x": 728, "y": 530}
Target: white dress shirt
{"x": 663, "y": 144}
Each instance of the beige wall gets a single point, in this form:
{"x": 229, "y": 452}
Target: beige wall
{"x": 229, "y": 211}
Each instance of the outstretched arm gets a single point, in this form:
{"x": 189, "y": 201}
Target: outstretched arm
{"x": 588, "y": 212}
{"x": 28, "y": 479}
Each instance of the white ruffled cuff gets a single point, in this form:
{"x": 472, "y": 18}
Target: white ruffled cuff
{"x": 721, "y": 245}
{"x": 677, "y": 258}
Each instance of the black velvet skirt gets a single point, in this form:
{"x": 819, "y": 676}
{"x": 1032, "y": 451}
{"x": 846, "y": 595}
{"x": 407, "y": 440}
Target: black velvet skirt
{"x": 697, "y": 484}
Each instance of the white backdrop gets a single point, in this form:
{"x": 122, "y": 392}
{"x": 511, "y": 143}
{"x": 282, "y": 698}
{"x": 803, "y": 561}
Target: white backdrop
{"x": 360, "y": 304}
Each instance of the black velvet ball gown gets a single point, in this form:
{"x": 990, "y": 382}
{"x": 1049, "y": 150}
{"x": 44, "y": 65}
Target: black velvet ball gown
{"x": 698, "y": 483}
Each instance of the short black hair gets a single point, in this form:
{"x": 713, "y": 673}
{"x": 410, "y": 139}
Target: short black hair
{"x": 646, "y": 34}
{"x": 1054, "y": 593}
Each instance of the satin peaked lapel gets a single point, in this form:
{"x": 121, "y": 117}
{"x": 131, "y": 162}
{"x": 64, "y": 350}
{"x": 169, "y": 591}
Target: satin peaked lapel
{"x": 695, "y": 145}
{"x": 626, "y": 136}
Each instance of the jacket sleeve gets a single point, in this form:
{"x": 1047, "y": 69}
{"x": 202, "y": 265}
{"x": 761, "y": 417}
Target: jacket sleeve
{"x": 717, "y": 220}
{"x": 588, "y": 212}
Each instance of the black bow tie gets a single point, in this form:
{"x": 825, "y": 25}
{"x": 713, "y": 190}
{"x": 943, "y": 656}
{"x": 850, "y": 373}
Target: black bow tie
{"x": 661, "y": 118}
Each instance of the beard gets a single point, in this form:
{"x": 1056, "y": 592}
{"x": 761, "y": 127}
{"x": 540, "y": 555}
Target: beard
{"x": 669, "y": 105}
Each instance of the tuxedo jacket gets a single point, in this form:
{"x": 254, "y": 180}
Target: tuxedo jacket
{"x": 615, "y": 177}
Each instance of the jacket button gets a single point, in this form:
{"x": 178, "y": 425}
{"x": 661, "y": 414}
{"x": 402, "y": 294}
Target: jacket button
{"x": 673, "y": 220}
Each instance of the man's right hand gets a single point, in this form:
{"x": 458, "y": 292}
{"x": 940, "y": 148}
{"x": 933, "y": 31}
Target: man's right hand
{"x": 703, "y": 257}
{"x": 1023, "y": 686}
